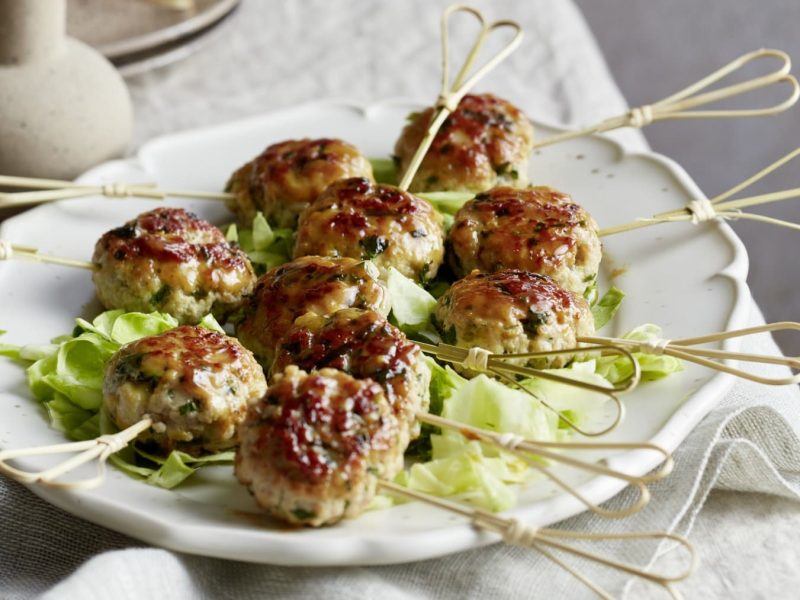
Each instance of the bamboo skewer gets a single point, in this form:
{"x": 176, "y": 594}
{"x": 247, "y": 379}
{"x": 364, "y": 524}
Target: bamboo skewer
{"x": 684, "y": 350}
{"x": 720, "y": 207}
{"x": 451, "y": 94}
{"x": 9, "y": 251}
{"x": 680, "y": 104}
{"x": 50, "y": 190}
{"x": 481, "y": 360}
{"x": 99, "y": 449}
{"x": 546, "y": 540}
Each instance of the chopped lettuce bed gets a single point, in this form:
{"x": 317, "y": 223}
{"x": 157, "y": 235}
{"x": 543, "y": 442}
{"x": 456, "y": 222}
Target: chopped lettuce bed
{"x": 266, "y": 247}
{"x": 67, "y": 377}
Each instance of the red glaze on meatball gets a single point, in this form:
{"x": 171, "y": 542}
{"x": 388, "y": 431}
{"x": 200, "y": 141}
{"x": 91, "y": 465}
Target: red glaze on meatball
{"x": 360, "y": 219}
{"x": 513, "y": 311}
{"x": 170, "y": 260}
{"x": 312, "y": 451}
{"x": 286, "y": 177}
{"x": 485, "y": 142}
{"x": 537, "y": 229}
{"x": 314, "y": 284}
{"x": 365, "y": 345}
{"x": 195, "y": 384}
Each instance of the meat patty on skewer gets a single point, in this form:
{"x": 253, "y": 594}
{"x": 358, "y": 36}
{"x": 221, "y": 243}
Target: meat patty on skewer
{"x": 170, "y": 260}
{"x": 485, "y": 142}
{"x": 315, "y": 284}
{"x": 286, "y": 177}
{"x": 537, "y": 229}
{"x": 194, "y": 383}
{"x": 363, "y": 344}
{"x": 360, "y": 219}
{"x": 313, "y": 449}
{"x": 513, "y": 311}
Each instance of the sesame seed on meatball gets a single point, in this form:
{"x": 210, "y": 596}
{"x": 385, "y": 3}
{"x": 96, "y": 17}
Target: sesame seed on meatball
{"x": 313, "y": 449}
{"x": 170, "y": 260}
{"x": 365, "y": 345}
{"x": 512, "y": 311}
{"x": 537, "y": 229}
{"x": 194, "y": 383}
{"x": 360, "y": 219}
{"x": 286, "y": 177}
{"x": 485, "y": 142}
{"x": 315, "y": 284}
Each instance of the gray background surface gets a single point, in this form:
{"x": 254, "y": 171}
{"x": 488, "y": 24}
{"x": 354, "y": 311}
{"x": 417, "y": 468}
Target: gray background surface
{"x": 654, "y": 49}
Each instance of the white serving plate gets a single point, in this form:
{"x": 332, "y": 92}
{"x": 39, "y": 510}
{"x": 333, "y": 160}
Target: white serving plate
{"x": 687, "y": 279}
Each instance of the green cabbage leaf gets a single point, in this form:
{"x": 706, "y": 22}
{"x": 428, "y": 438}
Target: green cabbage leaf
{"x": 266, "y": 247}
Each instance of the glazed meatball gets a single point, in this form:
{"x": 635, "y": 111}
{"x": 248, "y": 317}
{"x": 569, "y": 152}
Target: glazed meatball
{"x": 194, "y": 383}
{"x": 170, "y": 260}
{"x": 360, "y": 219}
{"x": 511, "y": 312}
{"x": 485, "y": 142}
{"x": 365, "y": 345}
{"x": 312, "y": 451}
{"x": 537, "y": 229}
{"x": 313, "y": 284}
{"x": 286, "y": 177}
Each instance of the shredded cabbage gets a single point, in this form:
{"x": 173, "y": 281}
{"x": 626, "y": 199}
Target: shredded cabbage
{"x": 412, "y": 306}
{"x": 266, "y": 247}
{"x": 604, "y": 309}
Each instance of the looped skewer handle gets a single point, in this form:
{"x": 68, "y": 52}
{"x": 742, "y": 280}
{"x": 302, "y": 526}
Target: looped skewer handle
{"x": 50, "y": 190}
{"x": 679, "y": 105}
{"x": 524, "y": 448}
{"x": 98, "y": 449}
{"x": 9, "y": 251}
{"x": 481, "y": 360}
{"x": 702, "y": 209}
{"x": 547, "y": 541}
{"x": 684, "y": 349}
{"x": 451, "y": 94}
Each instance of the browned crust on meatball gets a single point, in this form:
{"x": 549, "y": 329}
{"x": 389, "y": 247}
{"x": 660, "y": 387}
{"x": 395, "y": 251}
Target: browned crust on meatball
{"x": 194, "y": 383}
{"x": 287, "y": 176}
{"x": 312, "y": 450}
{"x": 537, "y": 229}
{"x": 486, "y": 141}
{"x": 513, "y": 311}
{"x": 169, "y": 259}
{"x": 316, "y": 284}
{"x": 364, "y": 345}
{"x": 360, "y": 219}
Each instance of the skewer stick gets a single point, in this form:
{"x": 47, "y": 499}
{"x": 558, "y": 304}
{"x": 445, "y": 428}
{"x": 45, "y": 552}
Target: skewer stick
{"x": 527, "y": 449}
{"x": 546, "y": 541}
{"x": 451, "y": 94}
{"x": 719, "y": 207}
{"x": 684, "y": 350}
{"x": 9, "y": 251}
{"x": 98, "y": 449}
{"x": 50, "y": 190}
{"x": 679, "y": 105}
{"x": 481, "y": 360}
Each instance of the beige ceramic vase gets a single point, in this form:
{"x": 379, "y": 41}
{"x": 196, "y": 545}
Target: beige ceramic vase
{"x": 63, "y": 107}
